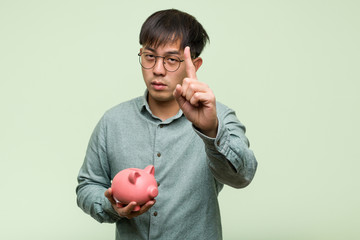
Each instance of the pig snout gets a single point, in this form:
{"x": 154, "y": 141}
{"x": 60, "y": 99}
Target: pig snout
{"x": 152, "y": 191}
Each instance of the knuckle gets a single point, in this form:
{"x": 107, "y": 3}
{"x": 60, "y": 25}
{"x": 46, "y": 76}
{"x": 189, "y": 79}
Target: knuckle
{"x": 189, "y": 95}
{"x": 197, "y": 95}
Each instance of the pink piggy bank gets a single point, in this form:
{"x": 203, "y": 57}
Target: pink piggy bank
{"x": 133, "y": 184}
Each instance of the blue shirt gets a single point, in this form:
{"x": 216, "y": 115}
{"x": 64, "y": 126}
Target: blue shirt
{"x": 190, "y": 167}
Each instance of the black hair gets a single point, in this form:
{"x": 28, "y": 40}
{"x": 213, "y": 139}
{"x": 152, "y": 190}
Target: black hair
{"x": 168, "y": 26}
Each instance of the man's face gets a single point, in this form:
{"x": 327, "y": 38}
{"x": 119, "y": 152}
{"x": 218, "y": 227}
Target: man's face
{"x": 160, "y": 82}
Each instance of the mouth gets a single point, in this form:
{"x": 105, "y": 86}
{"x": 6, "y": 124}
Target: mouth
{"x": 157, "y": 85}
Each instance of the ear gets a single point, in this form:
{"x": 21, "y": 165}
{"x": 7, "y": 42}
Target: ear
{"x": 197, "y": 62}
{"x": 133, "y": 176}
{"x": 150, "y": 169}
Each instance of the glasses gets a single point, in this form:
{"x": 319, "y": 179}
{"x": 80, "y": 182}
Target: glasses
{"x": 148, "y": 60}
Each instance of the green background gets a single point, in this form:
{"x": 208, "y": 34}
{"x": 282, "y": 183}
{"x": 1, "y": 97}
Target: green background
{"x": 290, "y": 70}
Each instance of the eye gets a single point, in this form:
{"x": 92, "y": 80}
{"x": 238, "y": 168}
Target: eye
{"x": 149, "y": 56}
{"x": 172, "y": 60}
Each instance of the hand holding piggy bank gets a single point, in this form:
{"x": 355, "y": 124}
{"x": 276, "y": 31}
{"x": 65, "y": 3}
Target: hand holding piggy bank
{"x": 133, "y": 184}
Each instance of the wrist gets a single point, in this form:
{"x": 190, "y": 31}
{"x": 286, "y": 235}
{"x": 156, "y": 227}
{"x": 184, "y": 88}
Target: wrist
{"x": 211, "y": 132}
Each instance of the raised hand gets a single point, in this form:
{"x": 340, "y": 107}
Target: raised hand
{"x": 196, "y": 99}
{"x": 127, "y": 211}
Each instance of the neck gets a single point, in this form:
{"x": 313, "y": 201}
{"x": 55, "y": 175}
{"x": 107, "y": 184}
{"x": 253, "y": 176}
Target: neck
{"x": 163, "y": 109}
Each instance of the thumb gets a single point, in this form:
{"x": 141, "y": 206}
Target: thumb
{"x": 109, "y": 195}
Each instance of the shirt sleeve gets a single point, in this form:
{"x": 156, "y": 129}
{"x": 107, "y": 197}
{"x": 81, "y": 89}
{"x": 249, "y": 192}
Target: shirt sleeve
{"x": 229, "y": 156}
{"x": 94, "y": 179}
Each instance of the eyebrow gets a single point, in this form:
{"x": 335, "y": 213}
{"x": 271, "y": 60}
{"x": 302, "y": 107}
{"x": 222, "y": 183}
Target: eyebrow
{"x": 173, "y": 52}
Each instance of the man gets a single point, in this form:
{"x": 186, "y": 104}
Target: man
{"x": 195, "y": 143}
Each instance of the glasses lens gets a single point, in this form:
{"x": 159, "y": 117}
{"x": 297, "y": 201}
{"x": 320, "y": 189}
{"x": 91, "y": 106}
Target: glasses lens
{"x": 171, "y": 63}
{"x": 147, "y": 60}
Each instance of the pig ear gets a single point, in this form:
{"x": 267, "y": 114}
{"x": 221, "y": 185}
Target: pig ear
{"x": 150, "y": 169}
{"x": 133, "y": 176}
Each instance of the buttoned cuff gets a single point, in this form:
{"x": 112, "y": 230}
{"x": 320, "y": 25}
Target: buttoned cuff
{"x": 108, "y": 209}
{"x": 220, "y": 144}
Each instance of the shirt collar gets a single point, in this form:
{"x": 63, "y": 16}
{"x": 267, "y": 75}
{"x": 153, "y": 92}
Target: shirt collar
{"x": 145, "y": 108}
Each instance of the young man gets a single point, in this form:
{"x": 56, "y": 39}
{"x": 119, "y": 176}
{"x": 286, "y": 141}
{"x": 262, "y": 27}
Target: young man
{"x": 195, "y": 143}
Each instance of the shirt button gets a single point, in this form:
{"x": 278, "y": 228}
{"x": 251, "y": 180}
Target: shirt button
{"x": 158, "y": 183}
{"x": 155, "y": 213}
{"x": 161, "y": 126}
{"x": 158, "y": 154}
{"x": 218, "y": 142}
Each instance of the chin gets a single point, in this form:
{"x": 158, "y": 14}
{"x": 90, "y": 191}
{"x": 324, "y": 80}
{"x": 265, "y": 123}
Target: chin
{"x": 161, "y": 97}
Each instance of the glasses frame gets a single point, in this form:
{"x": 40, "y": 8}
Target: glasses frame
{"x": 164, "y": 64}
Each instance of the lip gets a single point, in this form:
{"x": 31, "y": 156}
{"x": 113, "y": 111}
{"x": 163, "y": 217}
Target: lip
{"x": 157, "y": 85}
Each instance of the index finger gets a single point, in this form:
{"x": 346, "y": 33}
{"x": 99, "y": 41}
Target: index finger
{"x": 147, "y": 206}
{"x": 128, "y": 208}
{"x": 143, "y": 209}
{"x": 190, "y": 68}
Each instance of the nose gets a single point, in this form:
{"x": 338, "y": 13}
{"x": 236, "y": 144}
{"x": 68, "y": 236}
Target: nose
{"x": 159, "y": 68}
